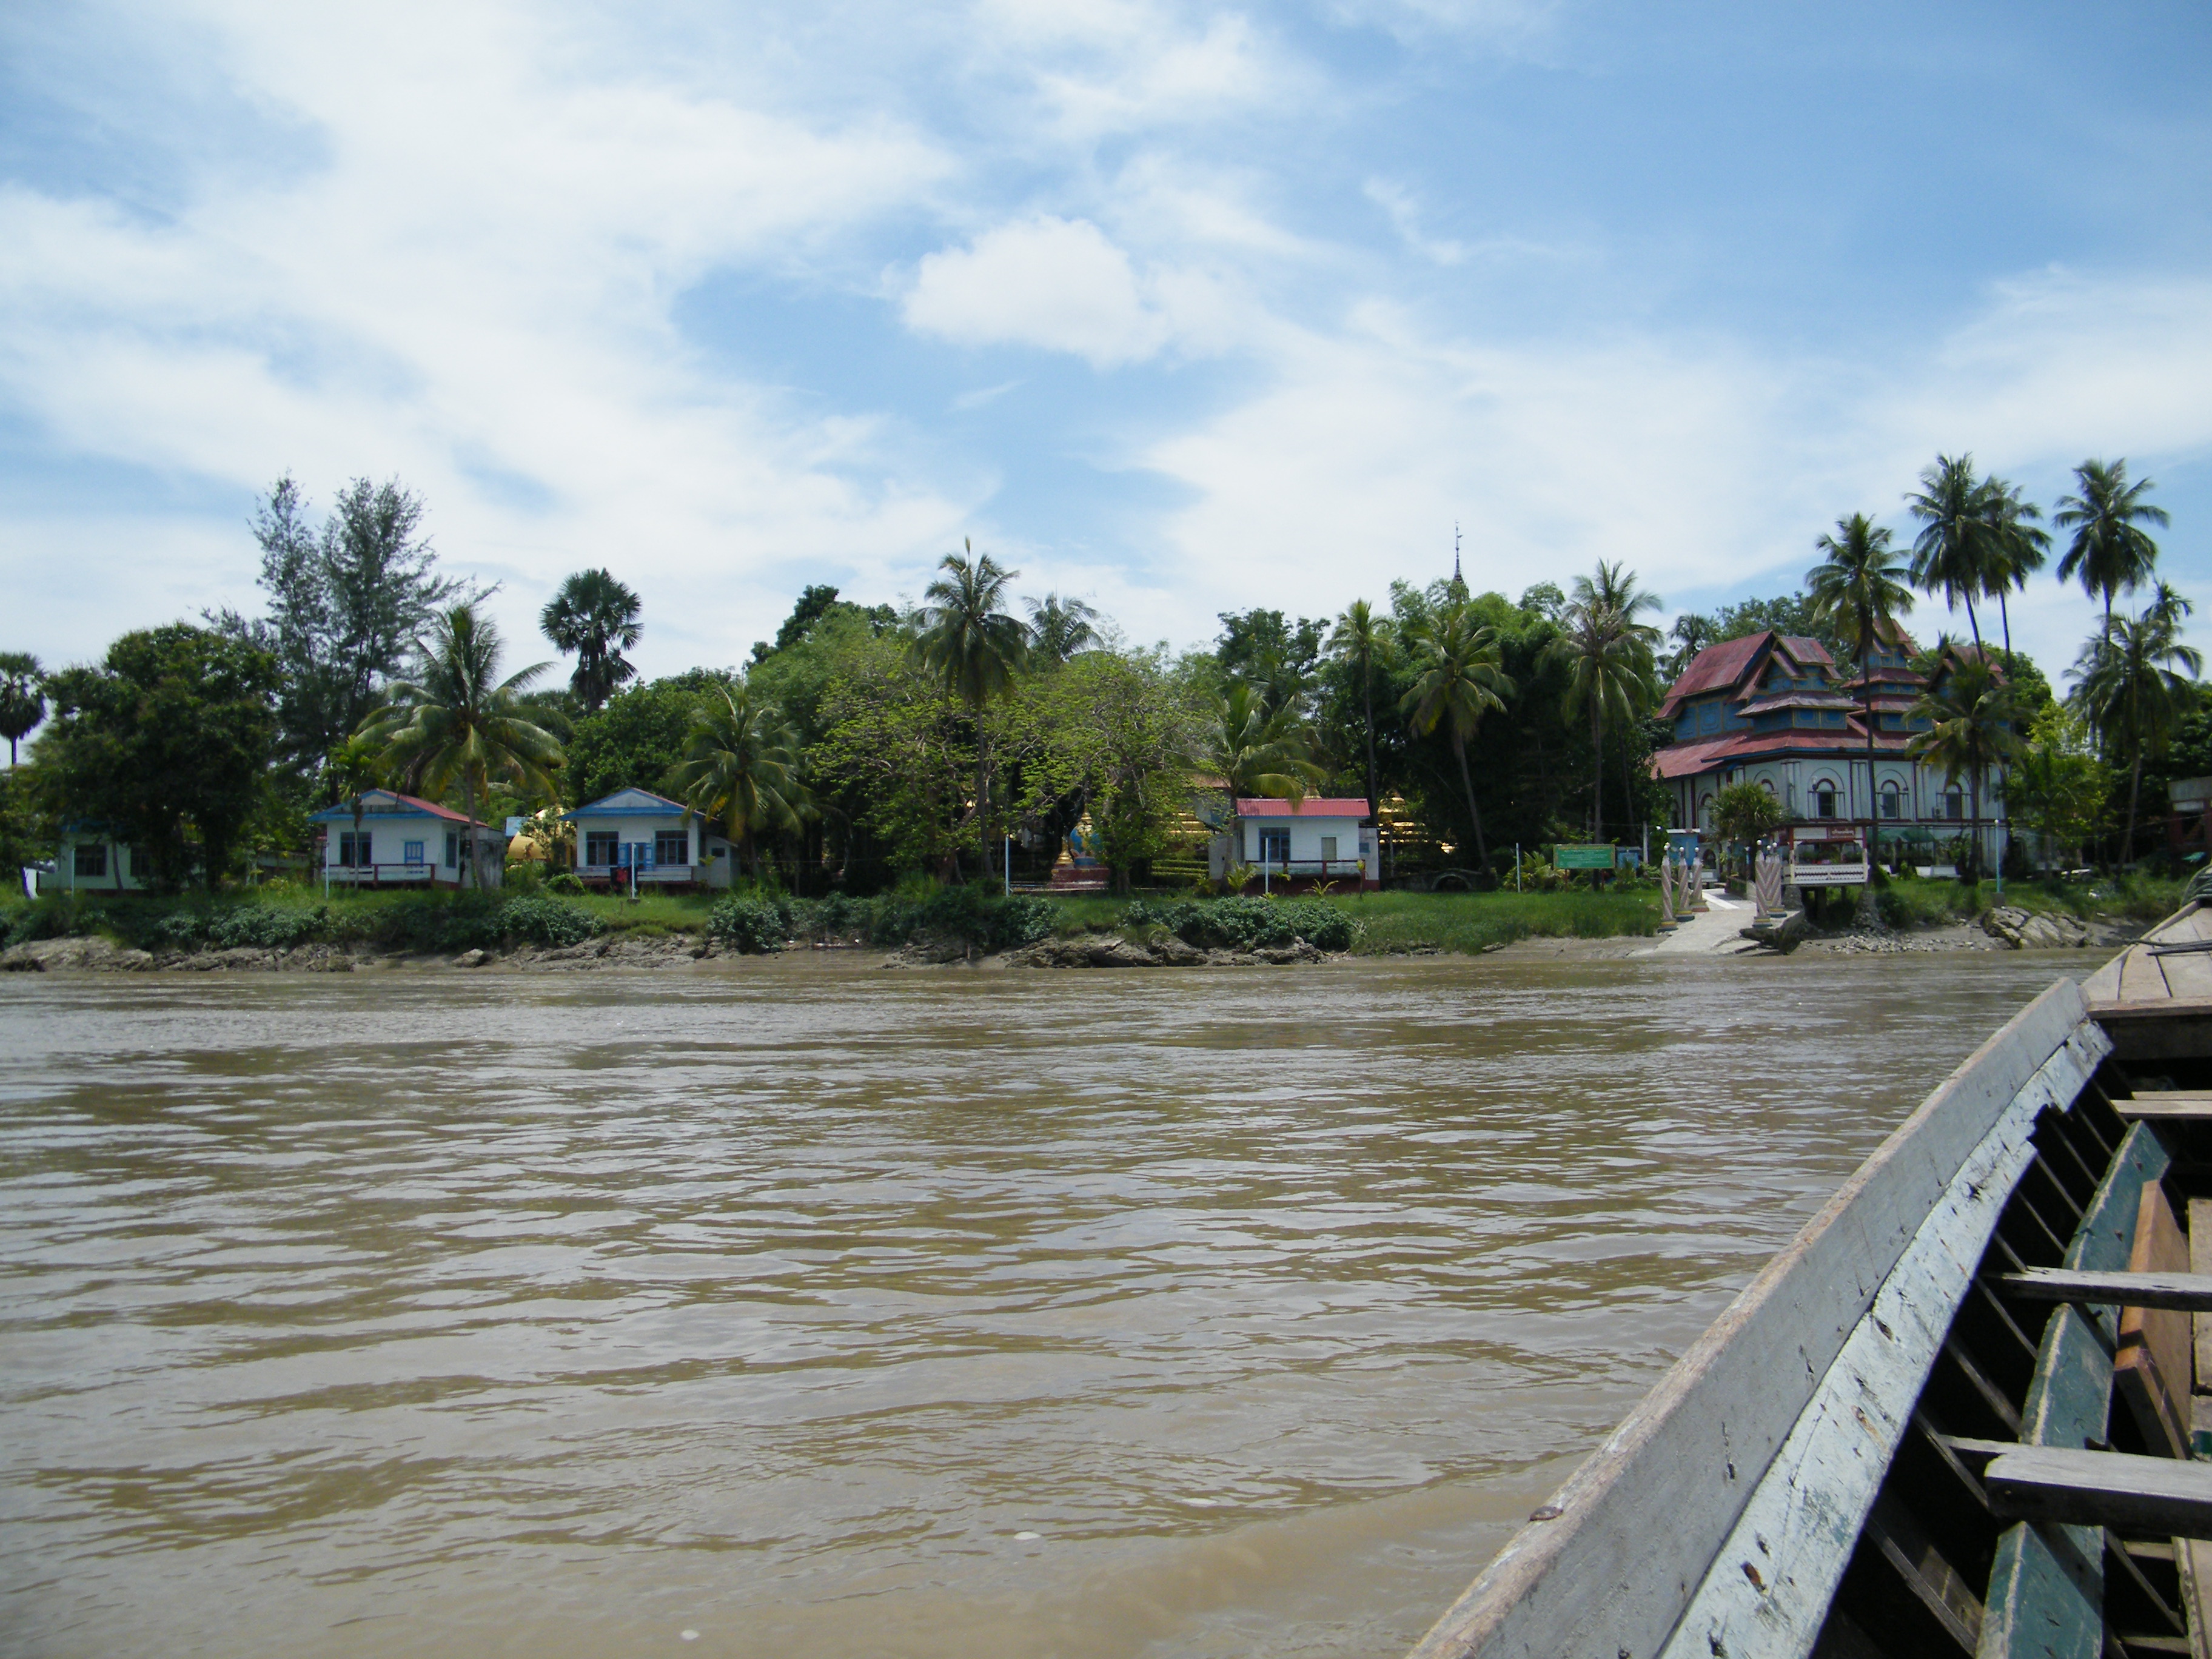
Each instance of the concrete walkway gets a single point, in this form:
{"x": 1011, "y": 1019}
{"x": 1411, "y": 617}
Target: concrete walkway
{"x": 1714, "y": 931}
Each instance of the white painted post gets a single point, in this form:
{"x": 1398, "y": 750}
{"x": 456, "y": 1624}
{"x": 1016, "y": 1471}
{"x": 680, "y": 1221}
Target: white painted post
{"x": 1006, "y": 864}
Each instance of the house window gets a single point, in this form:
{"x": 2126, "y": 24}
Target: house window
{"x": 1329, "y": 849}
{"x": 672, "y": 846}
{"x": 599, "y": 847}
{"x": 1824, "y": 800}
{"x": 354, "y": 850}
{"x": 411, "y": 852}
{"x": 91, "y": 859}
{"x": 1274, "y": 847}
{"x": 1954, "y": 806}
{"x": 1893, "y": 802}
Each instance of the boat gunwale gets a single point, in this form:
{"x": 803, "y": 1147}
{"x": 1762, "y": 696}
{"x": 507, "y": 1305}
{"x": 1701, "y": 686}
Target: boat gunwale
{"x": 1619, "y": 1553}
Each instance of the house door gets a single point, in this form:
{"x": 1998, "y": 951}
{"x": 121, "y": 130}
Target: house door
{"x": 638, "y": 854}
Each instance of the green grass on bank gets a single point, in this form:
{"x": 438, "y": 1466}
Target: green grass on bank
{"x": 1465, "y": 923}
{"x": 1911, "y": 902}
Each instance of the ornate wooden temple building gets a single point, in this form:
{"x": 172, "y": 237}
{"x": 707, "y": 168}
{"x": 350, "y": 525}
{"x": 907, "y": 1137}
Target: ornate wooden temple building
{"x": 1775, "y": 709}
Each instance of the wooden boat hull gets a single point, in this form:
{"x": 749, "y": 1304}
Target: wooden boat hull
{"x": 1868, "y": 1452}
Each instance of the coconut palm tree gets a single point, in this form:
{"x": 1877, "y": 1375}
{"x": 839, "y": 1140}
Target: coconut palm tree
{"x": 595, "y": 617}
{"x": 1459, "y": 678}
{"x": 1971, "y": 731}
{"x": 23, "y": 698}
{"x": 1858, "y": 590}
{"x": 1059, "y": 628}
{"x": 740, "y": 769}
{"x": 970, "y": 644}
{"x": 2133, "y": 683}
{"x": 456, "y": 722}
{"x": 1257, "y": 751}
{"x": 2018, "y": 546}
{"x": 1607, "y": 655}
{"x": 2109, "y": 552}
{"x": 1361, "y": 644}
{"x": 1955, "y": 553}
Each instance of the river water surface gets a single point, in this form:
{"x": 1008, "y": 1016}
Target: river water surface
{"x": 812, "y": 1310}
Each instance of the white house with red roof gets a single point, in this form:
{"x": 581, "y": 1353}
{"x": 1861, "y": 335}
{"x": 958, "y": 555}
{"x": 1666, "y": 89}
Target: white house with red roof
{"x": 401, "y": 841}
{"x": 1317, "y": 839}
{"x": 1773, "y": 709}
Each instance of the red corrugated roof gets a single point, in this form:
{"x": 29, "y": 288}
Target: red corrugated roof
{"x": 1808, "y": 650}
{"x": 1313, "y": 807}
{"x": 1715, "y": 668}
{"x": 1686, "y": 759}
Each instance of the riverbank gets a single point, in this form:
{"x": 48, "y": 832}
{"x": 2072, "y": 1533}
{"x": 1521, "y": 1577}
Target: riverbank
{"x": 293, "y": 930}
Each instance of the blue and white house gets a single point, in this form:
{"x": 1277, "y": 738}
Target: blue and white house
{"x": 90, "y": 858}
{"x": 404, "y": 842}
{"x": 635, "y": 834}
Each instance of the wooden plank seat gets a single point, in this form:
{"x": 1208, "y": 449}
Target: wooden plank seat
{"x": 2189, "y": 1292}
{"x": 2082, "y": 1488}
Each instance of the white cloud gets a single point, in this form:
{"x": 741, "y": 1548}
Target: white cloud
{"x": 1098, "y": 68}
{"x": 1405, "y": 214}
{"x": 471, "y": 287}
{"x": 1058, "y": 284}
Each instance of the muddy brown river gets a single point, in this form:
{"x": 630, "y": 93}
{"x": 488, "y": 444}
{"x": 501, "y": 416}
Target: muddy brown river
{"x": 808, "y": 1309}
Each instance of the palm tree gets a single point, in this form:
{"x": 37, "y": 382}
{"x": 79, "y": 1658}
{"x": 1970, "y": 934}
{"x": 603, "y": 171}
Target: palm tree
{"x": 1362, "y": 645}
{"x": 1970, "y": 731}
{"x": 2017, "y": 547}
{"x": 1607, "y": 655}
{"x": 1953, "y": 555}
{"x": 2109, "y": 551}
{"x": 1859, "y": 591}
{"x": 23, "y": 698}
{"x": 594, "y": 617}
{"x": 1257, "y": 751}
{"x": 1691, "y": 634}
{"x": 2134, "y": 685}
{"x": 970, "y": 643}
{"x": 457, "y": 721}
{"x": 1059, "y": 628}
{"x": 740, "y": 769}
{"x": 1460, "y": 678}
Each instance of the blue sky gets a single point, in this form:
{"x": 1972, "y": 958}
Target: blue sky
{"x": 1181, "y": 309}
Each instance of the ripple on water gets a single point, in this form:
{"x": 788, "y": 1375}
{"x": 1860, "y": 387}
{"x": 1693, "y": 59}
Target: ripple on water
{"x": 832, "y": 1311}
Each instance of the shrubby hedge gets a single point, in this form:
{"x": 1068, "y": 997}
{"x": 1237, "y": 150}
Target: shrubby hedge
{"x": 962, "y": 916}
{"x": 1245, "y": 924}
{"x": 410, "y": 922}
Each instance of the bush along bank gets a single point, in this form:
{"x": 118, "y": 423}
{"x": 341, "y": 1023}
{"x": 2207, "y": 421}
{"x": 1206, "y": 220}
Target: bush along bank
{"x": 403, "y": 923}
{"x": 968, "y": 919}
{"x": 291, "y": 928}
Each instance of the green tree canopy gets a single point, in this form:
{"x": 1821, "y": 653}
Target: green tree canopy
{"x": 2135, "y": 687}
{"x": 347, "y": 597}
{"x": 23, "y": 697}
{"x": 169, "y": 739}
{"x": 740, "y": 769}
{"x": 2111, "y": 553}
{"x": 594, "y": 618}
{"x": 973, "y": 648}
{"x": 1458, "y": 678}
{"x": 639, "y": 736}
{"x": 457, "y": 723}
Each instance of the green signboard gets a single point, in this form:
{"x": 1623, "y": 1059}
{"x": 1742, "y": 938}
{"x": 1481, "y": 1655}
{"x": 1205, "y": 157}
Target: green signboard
{"x": 1583, "y": 858}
